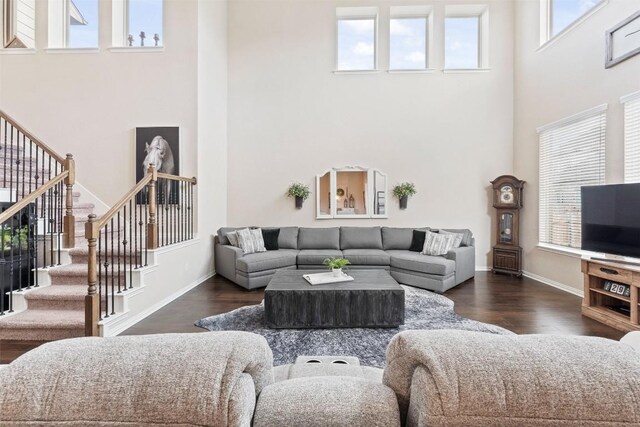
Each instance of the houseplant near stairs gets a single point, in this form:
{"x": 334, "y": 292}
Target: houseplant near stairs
{"x": 300, "y": 192}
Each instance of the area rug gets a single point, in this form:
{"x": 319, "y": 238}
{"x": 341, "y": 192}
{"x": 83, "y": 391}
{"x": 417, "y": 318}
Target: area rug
{"x": 423, "y": 310}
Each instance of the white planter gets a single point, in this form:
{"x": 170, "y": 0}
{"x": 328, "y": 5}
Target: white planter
{"x": 337, "y": 272}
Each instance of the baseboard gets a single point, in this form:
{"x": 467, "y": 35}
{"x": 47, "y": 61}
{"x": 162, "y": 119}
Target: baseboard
{"x": 157, "y": 306}
{"x": 553, "y": 283}
{"x": 482, "y": 268}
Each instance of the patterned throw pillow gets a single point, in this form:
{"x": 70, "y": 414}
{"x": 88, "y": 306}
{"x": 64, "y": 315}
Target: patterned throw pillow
{"x": 438, "y": 244}
{"x": 458, "y": 240}
{"x": 251, "y": 241}
{"x": 233, "y": 238}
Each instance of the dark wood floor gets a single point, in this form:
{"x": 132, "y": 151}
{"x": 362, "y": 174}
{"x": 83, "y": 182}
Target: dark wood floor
{"x": 522, "y": 305}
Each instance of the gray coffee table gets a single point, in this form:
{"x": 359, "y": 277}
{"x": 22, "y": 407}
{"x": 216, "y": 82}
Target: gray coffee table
{"x": 372, "y": 300}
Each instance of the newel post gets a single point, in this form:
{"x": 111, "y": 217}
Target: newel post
{"x": 91, "y": 301}
{"x": 69, "y": 222}
{"x": 152, "y": 226}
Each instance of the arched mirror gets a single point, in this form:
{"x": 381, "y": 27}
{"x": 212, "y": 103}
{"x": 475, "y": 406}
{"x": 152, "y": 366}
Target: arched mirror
{"x": 351, "y": 192}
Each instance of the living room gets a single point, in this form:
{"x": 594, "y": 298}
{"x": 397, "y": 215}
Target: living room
{"x": 489, "y": 117}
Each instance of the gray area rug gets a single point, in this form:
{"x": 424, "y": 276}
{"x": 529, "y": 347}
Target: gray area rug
{"x": 423, "y": 310}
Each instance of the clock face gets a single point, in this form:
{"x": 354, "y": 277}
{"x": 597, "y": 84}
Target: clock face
{"x": 506, "y": 195}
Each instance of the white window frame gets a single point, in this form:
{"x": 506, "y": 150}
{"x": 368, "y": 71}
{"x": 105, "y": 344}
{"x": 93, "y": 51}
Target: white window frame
{"x": 9, "y": 11}
{"x": 414, "y": 12}
{"x": 631, "y": 105}
{"x": 355, "y": 13}
{"x": 480, "y": 11}
{"x": 58, "y": 28}
{"x": 120, "y": 29}
{"x": 596, "y": 112}
{"x": 546, "y": 21}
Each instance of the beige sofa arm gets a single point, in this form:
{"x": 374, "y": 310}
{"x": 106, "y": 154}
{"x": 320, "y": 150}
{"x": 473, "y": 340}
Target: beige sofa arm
{"x": 203, "y": 379}
{"x": 471, "y": 378}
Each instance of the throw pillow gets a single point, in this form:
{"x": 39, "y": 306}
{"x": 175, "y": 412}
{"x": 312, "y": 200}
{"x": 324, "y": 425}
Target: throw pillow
{"x": 270, "y": 238}
{"x": 458, "y": 237}
{"x": 417, "y": 241}
{"x": 251, "y": 241}
{"x": 233, "y": 238}
{"x": 437, "y": 244}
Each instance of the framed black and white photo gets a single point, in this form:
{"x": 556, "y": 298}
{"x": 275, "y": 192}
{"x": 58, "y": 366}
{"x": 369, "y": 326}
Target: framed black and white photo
{"x": 160, "y": 146}
{"x": 623, "y": 41}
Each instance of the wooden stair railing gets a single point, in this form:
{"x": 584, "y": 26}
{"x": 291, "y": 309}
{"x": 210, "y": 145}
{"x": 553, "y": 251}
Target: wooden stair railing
{"x": 37, "y": 191}
{"x": 158, "y": 211}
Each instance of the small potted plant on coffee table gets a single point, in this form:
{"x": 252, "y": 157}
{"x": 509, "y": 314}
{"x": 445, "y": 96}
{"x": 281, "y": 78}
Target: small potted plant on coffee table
{"x": 403, "y": 191}
{"x": 336, "y": 265}
{"x": 300, "y": 192}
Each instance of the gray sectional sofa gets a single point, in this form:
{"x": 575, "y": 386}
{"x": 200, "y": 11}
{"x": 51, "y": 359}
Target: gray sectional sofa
{"x": 366, "y": 247}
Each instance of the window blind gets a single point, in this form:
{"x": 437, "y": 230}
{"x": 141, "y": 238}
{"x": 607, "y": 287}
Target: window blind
{"x": 632, "y": 140}
{"x": 572, "y": 154}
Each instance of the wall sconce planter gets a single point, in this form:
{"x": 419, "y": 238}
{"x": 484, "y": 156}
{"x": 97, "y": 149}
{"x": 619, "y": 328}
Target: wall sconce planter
{"x": 299, "y": 192}
{"x": 403, "y": 191}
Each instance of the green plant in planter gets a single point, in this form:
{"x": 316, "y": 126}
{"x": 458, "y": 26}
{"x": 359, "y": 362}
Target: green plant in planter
{"x": 403, "y": 191}
{"x": 336, "y": 263}
{"x": 18, "y": 239}
{"x": 300, "y": 192}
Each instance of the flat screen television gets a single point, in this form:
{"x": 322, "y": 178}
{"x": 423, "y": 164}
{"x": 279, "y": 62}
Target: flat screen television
{"x": 611, "y": 219}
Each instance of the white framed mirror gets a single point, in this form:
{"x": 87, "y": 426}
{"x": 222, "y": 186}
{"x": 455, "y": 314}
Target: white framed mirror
{"x": 351, "y": 192}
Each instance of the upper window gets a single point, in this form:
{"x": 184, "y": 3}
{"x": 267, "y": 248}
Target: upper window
{"x": 73, "y": 24}
{"x": 632, "y": 138}
{"x": 466, "y": 37}
{"x": 556, "y": 16}
{"x": 18, "y": 23}
{"x": 356, "y": 38}
{"x": 409, "y": 38}
{"x": 138, "y": 23}
{"x": 572, "y": 155}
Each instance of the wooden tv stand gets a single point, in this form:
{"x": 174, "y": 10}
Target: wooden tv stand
{"x": 618, "y": 311}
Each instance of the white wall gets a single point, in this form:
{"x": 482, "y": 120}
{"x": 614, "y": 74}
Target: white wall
{"x": 89, "y": 104}
{"x": 562, "y": 79}
{"x": 290, "y": 118}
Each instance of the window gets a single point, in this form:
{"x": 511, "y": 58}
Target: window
{"x": 356, "y": 38}
{"x": 73, "y": 23}
{"x": 138, "y": 23}
{"x": 18, "y": 23}
{"x": 466, "y": 37}
{"x": 632, "y": 138}
{"x": 556, "y": 16}
{"x": 572, "y": 154}
{"x": 409, "y": 37}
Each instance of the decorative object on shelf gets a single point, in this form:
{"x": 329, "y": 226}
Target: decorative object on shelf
{"x": 623, "y": 41}
{"x": 336, "y": 265}
{"x": 403, "y": 191}
{"x": 300, "y": 192}
{"x": 160, "y": 146}
{"x": 354, "y": 192}
{"x": 142, "y": 37}
{"x": 156, "y": 38}
{"x": 130, "y": 40}
{"x": 612, "y": 293}
{"x": 507, "y": 199}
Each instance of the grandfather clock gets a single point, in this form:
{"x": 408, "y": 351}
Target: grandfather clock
{"x": 507, "y": 199}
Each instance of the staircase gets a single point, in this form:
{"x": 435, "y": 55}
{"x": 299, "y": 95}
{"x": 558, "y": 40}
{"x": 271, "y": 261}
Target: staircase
{"x": 79, "y": 286}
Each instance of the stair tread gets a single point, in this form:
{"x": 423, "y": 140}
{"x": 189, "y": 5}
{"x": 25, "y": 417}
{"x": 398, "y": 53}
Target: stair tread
{"x": 57, "y": 292}
{"x": 44, "y": 319}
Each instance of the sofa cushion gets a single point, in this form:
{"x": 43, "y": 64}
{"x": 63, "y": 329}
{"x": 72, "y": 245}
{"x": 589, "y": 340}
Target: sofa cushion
{"x": 319, "y": 238}
{"x": 316, "y": 256}
{"x": 417, "y": 241}
{"x": 270, "y": 260}
{"x": 271, "y": 237}
{"x": 327, "y": 401}
{"x": 366, "y": 256}
{"x": 398, "y": 238}
{"x": 360, "y": 238}
{"x": 250, "y": 240}
{"x": 414, "y": 261}
{"x": 222, "y": 234}
{"x": 467, "y": 235}
{"x": 438, "y": 244}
